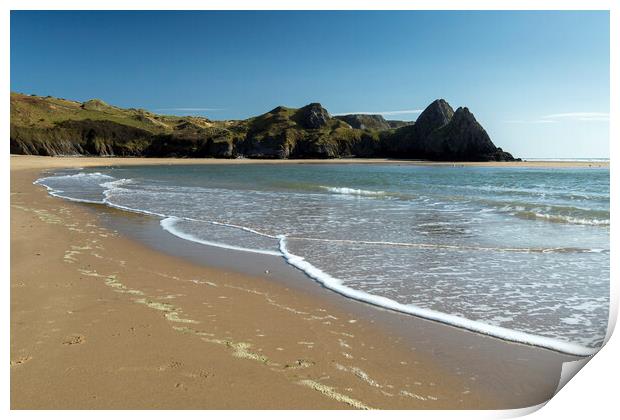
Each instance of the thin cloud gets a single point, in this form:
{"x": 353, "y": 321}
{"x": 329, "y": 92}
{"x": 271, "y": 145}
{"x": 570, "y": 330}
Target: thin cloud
{"x": 582, "y": 116}
{"x": 594, "y": 118}
{"x": 384, "y": 113}
{"x": 566, "y": 116}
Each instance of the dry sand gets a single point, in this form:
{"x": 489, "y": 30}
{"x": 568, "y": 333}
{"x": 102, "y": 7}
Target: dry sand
{"x": 44, "y": 162}
{"x": 101, "y": 321}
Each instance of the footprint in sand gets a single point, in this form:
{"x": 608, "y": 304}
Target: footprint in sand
{"x": 174, "y": 364}
{"x": 299, "y": 364}
{"x": 74, "y": 339}
{"x": 200, "y": 374}
{"x": 20, "y": 360}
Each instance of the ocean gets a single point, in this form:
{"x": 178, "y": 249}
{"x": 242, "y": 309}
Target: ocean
{"x": 517, "y": 253}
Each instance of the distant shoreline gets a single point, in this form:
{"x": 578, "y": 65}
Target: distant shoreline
{"x": 62, "y": 161}
{"x": 566, "y": 159}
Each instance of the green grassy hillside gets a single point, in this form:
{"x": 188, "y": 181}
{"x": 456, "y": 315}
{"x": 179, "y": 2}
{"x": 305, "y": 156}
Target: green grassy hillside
{"x": 55, "y": 126}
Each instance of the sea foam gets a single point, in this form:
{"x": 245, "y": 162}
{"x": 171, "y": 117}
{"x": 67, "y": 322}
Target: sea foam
{"x": 168, "y": 224}
{"x": 111, "y": 189}
{"x": 353, "y": 191}
{"x": 337, "y": 286}
{"x": 81, "y": 176}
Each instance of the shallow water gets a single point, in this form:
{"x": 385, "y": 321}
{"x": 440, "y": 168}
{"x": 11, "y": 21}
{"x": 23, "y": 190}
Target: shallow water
{"x": 518, "y": 253}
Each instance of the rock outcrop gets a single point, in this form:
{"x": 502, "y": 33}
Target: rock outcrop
{"x": 365, "y": 121}
{"x": 96, "y": 105}
{"x": 461, "y": 138}
{"x": 398, "y": 123}
{"x": 52, "y": 126}
{"x": 371, "y": 122}
{"x": 312, "y": 116}
{"x": 436, "y": 115}
{"x": 440, "y": 133}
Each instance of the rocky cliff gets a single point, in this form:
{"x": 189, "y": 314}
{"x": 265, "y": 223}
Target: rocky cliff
{"x": 442, "y": 134}
{"x": 371, "y": 122}
{"x": 53, "y": 126}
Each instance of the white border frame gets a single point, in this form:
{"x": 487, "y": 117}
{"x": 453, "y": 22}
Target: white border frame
{"x": 591, "y": 394}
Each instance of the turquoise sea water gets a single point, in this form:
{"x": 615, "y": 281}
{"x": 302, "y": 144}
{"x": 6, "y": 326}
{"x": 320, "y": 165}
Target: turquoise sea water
{"x": 518, "y": 253}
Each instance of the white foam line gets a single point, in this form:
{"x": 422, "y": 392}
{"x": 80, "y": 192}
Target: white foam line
{"x": 114, "y": 184}
{"x": 572, "y": 220}
{"x": 57, "y": 193}
{"x": 78, "y": 175}
{"x": 439, "y": 246}
{"x": 336, "y": 285}
{"x": 352, "y": 191}
{"x": 244, "y": 228}
{"x": 168, "y": 225}
{"x": 120, "y": 207}
{"x": 167, "y": 221}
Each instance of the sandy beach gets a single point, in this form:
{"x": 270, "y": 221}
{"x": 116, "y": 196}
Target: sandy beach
{"x": 44, "y": 162}
{"x": 102, "y": 320}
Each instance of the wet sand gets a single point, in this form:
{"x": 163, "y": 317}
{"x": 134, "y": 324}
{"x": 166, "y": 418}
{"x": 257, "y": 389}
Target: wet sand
{"x": 108, "y": 311}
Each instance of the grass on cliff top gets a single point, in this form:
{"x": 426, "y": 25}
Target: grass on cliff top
{"x": 45, "y": 112}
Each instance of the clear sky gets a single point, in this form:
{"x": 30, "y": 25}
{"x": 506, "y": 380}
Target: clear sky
{"x": 537, "y": 81}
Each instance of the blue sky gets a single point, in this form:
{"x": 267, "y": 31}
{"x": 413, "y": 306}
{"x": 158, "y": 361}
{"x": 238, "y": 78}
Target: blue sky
{"x": 537, "y": 81}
